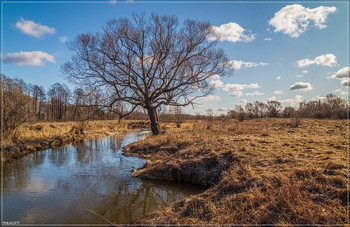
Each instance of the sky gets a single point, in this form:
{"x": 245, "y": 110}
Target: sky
{"x": 285, "y": 51}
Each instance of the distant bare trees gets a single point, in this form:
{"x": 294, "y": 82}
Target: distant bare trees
{"x": 15, "y": 100}
{"x": 331, "y": 107}
{"x": 148, "y": 62}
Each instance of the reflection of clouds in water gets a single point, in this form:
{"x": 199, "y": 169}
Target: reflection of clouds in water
{"x": 40, "y": 186}
{"x": 58, "y": 185}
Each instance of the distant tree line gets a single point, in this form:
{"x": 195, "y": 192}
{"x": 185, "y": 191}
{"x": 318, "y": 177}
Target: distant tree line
{"x": 22, "y": 102}
{"x": 332, "y": 107}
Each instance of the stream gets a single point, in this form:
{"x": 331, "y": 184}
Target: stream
{"x": 79, "y": 183}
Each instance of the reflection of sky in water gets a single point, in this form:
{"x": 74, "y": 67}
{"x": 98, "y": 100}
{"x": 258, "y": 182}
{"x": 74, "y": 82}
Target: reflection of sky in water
{"x": 59, "y": 185}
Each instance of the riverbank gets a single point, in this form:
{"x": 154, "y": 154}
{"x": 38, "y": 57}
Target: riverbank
{"x": 261, "y": 171}
{"x": 32, "y": 137}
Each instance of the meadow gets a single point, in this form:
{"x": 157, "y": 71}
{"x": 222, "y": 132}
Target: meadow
{"x": 258, "y": 171}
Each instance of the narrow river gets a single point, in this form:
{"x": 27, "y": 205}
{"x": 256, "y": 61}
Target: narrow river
{"x": 68, "y": 185}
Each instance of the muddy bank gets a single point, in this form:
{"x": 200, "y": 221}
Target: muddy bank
{"x": 256, "y": 172}
{"x": 41, "y": 136}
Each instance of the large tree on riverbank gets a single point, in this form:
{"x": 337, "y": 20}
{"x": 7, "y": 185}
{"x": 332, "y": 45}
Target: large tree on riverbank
{"x": 148, "y": 62}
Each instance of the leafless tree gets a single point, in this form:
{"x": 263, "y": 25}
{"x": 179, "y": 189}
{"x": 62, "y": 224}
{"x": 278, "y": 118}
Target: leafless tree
{"x": 273, "y": 108}
{"x": 148, "y": 62}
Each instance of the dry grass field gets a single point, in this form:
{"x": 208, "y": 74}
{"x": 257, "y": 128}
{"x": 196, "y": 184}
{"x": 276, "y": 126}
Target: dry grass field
{"x": 259, "y": 171}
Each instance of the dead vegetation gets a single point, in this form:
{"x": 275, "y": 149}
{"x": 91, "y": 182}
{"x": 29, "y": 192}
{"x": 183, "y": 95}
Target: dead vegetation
{"x": 261, "y": 171}
{"x": 31, "y": 137}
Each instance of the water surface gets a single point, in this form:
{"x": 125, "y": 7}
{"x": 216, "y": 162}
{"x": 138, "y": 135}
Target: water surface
{"x": 62, "y": 186}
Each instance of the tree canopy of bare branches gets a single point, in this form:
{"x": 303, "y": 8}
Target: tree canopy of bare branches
{"x": 148, "y": 61}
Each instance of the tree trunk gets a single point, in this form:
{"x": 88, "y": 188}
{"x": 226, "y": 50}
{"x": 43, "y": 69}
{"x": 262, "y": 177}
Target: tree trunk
{"x": 152, "y": 113}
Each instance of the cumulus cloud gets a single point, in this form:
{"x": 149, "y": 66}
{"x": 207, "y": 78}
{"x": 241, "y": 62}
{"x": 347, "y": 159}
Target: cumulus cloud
{"x": 345, "y": 82}
{"x": 294, "y": 20}
{"x": 341, "y": 73}
{"x": 299, "y": 76}
{"x": 34, "y": 58}
{"x": 273, "y": 98}
{"x": 300, "y": 86}
{"x": 279, "y": 77}
{"x": 341, "y": 91}
{"x": 242, "y": 101}
{"x": 293, "y": 102}
{"x": 254, "y": 93}
{"x": 278, "y": 92}
{"x": 216, "y": 83}
{"x": 214, "y": 77}
{"x": 239, "y": 87}
{"x": 324, "y": 60}
{"x": 304, "y": 71}
{"x": 317, "y": 98}
{"x": 31, "y": 28}
{"x": 234, "y": 64}
{"x": 267, "y": 39}
{"x": 236, "y": 93}
{"x": 63, "y": 39}
{"x": 209, "y": 98}
{"x": 222, "y": 109}
{"x": 231, "y": 32}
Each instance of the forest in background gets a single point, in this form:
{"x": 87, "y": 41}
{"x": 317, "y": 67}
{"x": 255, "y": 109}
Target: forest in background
{"x": 22, "y": 102}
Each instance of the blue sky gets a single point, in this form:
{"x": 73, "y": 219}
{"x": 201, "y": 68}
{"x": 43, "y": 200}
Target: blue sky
{"x": 284, "y": 51}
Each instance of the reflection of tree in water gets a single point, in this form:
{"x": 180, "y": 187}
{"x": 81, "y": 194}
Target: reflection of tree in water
{"x": 128, "y": 204}
{"x": 17, "y": 174}
{"x": 124, "y": 202}
{"x": 116, "y": 142}
{"x": 59, "y": 156}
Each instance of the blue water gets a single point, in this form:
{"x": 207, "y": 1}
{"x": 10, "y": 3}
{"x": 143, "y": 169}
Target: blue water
{"x": 77, "y": 184}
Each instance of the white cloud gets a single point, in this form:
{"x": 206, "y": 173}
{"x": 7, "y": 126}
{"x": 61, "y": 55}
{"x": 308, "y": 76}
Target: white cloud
{"x": 273, "y": 98}
{"x": 254, "y": 93}
{"x": 216, "y": 83}
{"x": 340, "y": 91}
{"x": 268, "y": 39}
{"x": 63, "y": 39}
{"x": 300, "y": 86}
{"x": 296, "y": 19}
{"x": 214, "y": 77}
{"x": 341, "y": 74}
{"x": 231, "y": 32}
{"x": 304, "y": 71}
{"x": 299, "y": 76}
{"x": 236, "y": 93}
{"x": 345, "y": 82}
{"x": 223, "y": 109}
{"x": 234, "y": 64}
{"x": 278, "y": 92}
{"x": 239, "y": 87}
{"x": 34, "y": 58}
{"x": 242, "y": 101}
{"x": 317, "y": 98}
{"x": 293, "y": 102}
{"x": 324, "y": 60}
{"x": 31, "y": 28}
{"x": 210, "y": 98}
{"x": 279, "y": 77}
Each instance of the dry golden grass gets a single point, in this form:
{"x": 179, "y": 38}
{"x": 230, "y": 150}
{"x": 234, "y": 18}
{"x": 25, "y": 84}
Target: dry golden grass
{"x": 259, "y": 171}
{"x": 31, "y": 137}
{"x": 30, "y": 132}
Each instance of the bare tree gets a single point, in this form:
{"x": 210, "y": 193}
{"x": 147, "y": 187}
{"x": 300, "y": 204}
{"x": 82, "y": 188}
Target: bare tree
{"x": 148, "y": 62}
{"x": 274, "y": 108}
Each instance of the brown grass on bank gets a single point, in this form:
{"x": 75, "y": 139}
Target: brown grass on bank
{"x": 31, "y": 137}
{"x": 259, "y": 171}
{"x": 29, "y": 132}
